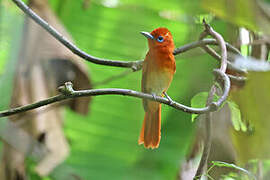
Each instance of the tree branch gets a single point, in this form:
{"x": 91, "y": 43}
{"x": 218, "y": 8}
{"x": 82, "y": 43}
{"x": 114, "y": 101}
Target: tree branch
{"x": 134, "y": 65}
{"x": 221, "y": 44}
{"x": 203, "y": 42}
{"x": 208, "y": 116}
{"x": 67, "y": 92}
{"x": 130, "y": 64}
{"x": 208, "y": 137}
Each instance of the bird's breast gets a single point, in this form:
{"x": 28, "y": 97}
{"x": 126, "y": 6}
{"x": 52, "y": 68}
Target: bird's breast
{"x": 159, "y": 81}
{"x": 160, "y": 75}
{"x": 165, "y": 62}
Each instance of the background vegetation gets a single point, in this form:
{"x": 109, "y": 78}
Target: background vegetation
{"x": 104, "y": 143}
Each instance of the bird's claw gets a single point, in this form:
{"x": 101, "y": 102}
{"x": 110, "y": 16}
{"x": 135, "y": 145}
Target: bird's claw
{"x": 168, "y": 97}
{"x": 154, "y": 96}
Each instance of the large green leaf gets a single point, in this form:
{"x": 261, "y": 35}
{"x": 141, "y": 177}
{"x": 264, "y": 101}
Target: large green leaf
{"x": 247, "y": 13}
{"x": 238, "y": 124}
{"x": 10, "y": 38}
{"x": 253, "y": 101}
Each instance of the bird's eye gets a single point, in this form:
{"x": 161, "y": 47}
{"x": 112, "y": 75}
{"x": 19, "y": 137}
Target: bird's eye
{"x": 160, "y": 39}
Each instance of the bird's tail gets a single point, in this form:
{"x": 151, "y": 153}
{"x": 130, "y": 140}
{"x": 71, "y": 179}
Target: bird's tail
{"x": 150, "y": 133}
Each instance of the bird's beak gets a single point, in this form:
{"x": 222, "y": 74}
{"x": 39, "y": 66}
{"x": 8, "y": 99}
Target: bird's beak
{"x": 147, "y": 35}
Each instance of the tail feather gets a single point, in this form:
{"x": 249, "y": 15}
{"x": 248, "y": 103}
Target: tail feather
{"x": 150, "y": 132}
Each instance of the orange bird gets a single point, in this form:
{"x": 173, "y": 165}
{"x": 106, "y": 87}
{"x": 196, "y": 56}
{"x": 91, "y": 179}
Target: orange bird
{"x": 157, "y": 74}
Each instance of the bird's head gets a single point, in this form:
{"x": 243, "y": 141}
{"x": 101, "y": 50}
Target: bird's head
{"x": 160, "y": 39}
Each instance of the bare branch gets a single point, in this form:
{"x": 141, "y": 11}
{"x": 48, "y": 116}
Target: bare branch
{"x": 225, "y": 83}
{"x": 67, "y": 92}
{"x": 134, "y": 65}
{"x": 240, "y": 81}
{"x": 215, "y": 55}
{"x": 221, "y": 44}
{"x": 129, "y": 64}
{"x": 204, "y": 42}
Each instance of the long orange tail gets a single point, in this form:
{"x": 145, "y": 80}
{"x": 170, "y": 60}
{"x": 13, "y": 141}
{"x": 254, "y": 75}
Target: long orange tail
{"x": 150, "y": 133}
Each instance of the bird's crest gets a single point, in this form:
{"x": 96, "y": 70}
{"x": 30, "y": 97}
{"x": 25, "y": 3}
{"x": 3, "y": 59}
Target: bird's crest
{"x": 161, "y": 31}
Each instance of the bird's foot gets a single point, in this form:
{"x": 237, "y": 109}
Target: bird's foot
{"x": 154, "y": 96}
{"x": 168, "y": 97}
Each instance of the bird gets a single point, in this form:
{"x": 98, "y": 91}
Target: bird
{"x": 157, "y": 73}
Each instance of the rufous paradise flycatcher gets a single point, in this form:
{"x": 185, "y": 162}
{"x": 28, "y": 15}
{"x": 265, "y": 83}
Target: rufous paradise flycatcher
{"x": 157, "y": 74}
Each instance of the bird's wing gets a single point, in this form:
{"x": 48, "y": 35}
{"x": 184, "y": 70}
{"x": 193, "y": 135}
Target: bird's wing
{"x": 145, "y": 70}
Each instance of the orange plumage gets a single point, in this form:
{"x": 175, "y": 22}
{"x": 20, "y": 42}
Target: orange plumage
{"x": 157, "y": 74}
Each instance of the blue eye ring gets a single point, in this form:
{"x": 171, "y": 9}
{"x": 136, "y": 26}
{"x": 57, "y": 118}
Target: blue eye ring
{"x": 160, "y": 39}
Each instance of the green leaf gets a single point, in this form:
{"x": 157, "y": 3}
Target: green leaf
{"x": 207, "y": 17}
{"x": 253, "y": 101}
{"x": 229, "y": 165}
{"x": 11, "y": 30}
{"x": 199, "y": 101}
{"x": 244, "y": 50}
{"x": 238, "y": 124}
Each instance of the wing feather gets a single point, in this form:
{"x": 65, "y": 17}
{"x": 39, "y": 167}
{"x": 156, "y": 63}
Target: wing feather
{"x": 144, "y": 81}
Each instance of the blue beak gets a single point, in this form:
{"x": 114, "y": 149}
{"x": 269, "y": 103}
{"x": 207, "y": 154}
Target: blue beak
{"x": 147, "y": 35}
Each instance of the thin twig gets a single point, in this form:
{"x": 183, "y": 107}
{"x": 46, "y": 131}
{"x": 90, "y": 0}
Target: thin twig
{"x": 215, "y": 55}
{"x": 239, "y": 81}
{"x": 204, "y": 42}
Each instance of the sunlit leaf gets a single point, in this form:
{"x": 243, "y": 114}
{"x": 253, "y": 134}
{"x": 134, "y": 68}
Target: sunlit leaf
{"x": 238, "y": 124}
{"x": 199, "y": 101}
{"x": 207, "y": 17}
{"x": 229, "y": 165}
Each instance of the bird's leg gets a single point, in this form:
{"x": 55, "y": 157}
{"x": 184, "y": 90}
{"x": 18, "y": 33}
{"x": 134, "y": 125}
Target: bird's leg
{"x": 168, "y": 97}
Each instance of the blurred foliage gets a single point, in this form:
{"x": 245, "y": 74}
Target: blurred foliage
{"x": 229, "y": 165}
{"x": 10, "y": 37}
{"x": 241, "y": 13}
{"x": 199, "y": 101}
{"x": 104, "y": 143}
{"x": 238, "y": 124}
{"x": 254, "y": 110}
